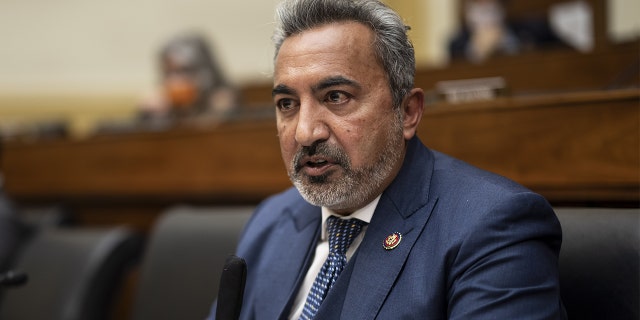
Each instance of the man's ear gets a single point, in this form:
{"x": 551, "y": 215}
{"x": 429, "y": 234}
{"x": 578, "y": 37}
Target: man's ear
{"x": 413, "y": 106}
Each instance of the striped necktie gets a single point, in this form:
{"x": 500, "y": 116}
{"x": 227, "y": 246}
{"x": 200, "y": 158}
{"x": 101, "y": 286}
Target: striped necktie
{"x": 341, "y": 234}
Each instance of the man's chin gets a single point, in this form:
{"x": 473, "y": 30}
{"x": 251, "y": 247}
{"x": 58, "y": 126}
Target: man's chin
{"x": 319, "y": 179}
{"x": 316, "y": 197}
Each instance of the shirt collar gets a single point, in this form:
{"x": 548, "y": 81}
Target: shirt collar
{"x": 364, "y": 214}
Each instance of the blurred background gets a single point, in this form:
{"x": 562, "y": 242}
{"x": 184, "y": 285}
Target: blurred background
{"x": 82, "y": 63}
{"x": 114, "y": 113}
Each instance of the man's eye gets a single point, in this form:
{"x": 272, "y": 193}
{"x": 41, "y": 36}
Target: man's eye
{"x": 336, "y": 97}
{"x": 285, "y": 104}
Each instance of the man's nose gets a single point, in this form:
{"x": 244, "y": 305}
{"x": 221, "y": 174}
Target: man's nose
{"x": 312, "y": 126}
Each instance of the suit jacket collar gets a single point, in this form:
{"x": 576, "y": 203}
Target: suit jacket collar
{"x": 303, "y": 214}
{"x": 410, "y": 189}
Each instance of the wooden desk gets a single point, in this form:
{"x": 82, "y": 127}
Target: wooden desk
{"x": 572, "y": 148}
{"x": 228, "y": 163}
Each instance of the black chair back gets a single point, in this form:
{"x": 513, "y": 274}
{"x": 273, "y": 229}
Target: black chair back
{"x": 181, "y": 268}
{"x": 600, "y": 263}
{"x": 73, "y": 273}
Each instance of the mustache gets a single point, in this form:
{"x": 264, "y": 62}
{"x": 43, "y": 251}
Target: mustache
{"x": 321, "y": 149}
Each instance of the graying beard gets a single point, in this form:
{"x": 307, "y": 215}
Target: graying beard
{"x": 347, "y": 192}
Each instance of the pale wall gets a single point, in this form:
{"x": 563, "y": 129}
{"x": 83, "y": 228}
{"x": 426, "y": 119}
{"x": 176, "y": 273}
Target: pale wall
{"x": 624, "y": 20}
{"x": 109, "y": 46}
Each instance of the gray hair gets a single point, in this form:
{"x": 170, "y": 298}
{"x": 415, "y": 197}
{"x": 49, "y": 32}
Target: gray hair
{"x": 392, "y": 45}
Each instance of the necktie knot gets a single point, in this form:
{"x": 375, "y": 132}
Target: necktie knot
{"x": 341, "y": 233}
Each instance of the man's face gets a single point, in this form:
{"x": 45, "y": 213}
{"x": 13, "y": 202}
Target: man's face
{"x": 340, "y": 136}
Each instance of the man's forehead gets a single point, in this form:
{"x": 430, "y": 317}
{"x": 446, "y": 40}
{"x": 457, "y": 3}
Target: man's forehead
{"x": 332, "y": 36}
{"x": 337, "y": 50}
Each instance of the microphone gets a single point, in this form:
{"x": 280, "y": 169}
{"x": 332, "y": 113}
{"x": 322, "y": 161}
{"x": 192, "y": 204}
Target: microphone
{"x": 13, "y": 278}
{"x": 231, "y": 289}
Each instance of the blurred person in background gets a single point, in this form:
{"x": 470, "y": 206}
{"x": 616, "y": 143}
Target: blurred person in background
{"x": 193, "y": 86}
{"x": 487, "y": 31}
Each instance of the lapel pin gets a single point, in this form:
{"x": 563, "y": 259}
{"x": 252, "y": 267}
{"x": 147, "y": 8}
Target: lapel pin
{"x": 392, "y": 241}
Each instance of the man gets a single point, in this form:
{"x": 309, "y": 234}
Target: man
{"x": 440, "y": 239}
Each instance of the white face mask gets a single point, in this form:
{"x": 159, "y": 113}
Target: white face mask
{"x": 483, "y": 13}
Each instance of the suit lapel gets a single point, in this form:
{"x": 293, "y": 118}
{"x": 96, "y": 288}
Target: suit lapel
{"x": 298, "y": 231}
{"x": 376, "y": 268}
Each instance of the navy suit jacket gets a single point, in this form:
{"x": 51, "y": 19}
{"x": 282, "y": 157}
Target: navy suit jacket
{"x": 474, "y": 246}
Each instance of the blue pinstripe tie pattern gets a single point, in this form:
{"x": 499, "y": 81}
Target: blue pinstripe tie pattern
{"x": 341, "y": 234}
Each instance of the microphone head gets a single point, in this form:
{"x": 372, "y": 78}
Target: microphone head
{"x": 231, "y": 289}
{"x": 13, "y": 278}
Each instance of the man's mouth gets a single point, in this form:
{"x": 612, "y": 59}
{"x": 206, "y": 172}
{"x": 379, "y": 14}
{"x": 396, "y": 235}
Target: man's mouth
{"x": 315, "y": 166}
{"x": 317, "y": 163}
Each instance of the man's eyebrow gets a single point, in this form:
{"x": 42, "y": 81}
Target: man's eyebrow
{"x": 324, "y": 84}
{"x": 335, "y": 81}
{"x": 282, "y": 89}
